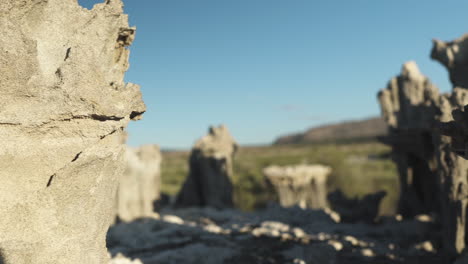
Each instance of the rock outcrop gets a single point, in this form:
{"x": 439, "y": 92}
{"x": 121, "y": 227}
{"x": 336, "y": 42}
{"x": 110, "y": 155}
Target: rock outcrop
{"x": 209, "y": 179}
{"x": 140, "y": 184}
{"x": 451, "y": 154}
{"x": 302, "y": 185}
{"x": 454, "y": 56}
{"x": 409, "y": 105}
{"x": 457, "y": 130}
{"x": 425, "y": 157}
{"x": 453, "y": 173}
{"x": 63, "y": 110}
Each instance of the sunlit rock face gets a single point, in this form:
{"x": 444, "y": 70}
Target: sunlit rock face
{"x": 209, "y": 179}
{"x": 454, "y": 56}
{"x": 140, "y": 184}
{"x": 63, "y": 109}
{"x": 409, "y": 105}
{"x": 302, "y": 185}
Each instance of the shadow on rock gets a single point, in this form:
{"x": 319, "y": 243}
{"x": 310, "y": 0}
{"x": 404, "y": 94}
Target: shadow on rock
{"x": 354, "y": 209}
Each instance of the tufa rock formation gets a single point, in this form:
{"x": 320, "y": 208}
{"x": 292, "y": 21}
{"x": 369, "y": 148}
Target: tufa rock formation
{"x": 454, "y": 56}
{"x": 140, "y": 184}
{"x": 451, "y": 155}
{"x": 457, "y": 130}
{"x": 209, "y": 179}
{"x": 425, "y": 157}
{"x": 409, "y": 106}
{"x": 453, "y": 173}
{"x": 303, "y": 185}
{"x": 63, "y": 110}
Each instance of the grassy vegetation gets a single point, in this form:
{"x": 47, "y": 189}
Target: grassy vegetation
{"x": 359, "y": 168}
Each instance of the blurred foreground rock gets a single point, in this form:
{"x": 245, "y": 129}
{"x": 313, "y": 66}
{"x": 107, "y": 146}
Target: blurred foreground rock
{"x": 454, "y": 56}
{"x": 274, "y": 235}
{"x": 209, "y": 179}
{"x": 303, "y": 185}
{"x": 63, "y": 109}
{"x": 121, "y": 259}
{"x": 140, "y": 183}
{"x": 354, "y": 210}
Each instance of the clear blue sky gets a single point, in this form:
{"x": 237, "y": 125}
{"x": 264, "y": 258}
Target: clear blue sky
{"x": 269, "y": 67}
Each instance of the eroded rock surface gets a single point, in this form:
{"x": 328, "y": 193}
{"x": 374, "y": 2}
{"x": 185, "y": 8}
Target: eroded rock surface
{"x": 303, "y": 185}
{"x": 425, "y": 157}
{"x": 140, "y": 184}
{"x": 451, "y": 154}
{"x": 209, "y": 179}
{"x": 409, "y": 105}
{"x": 274, "y": 235}
{"x": 63, "y": 109}
{"x": 453, "y": 173}
{"x": 454, "y": 56}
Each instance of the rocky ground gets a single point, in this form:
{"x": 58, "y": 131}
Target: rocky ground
{"x": 274, "y": 235}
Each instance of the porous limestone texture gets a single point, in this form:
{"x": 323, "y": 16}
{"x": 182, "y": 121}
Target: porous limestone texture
{"x": 409, "y": 105}
{"x": 63, "y": 110}
{"x": 302, "y": 185}
{"x": 209, "y": 179}
{"x": 454, "y": 56}
{"x": 140, "y": 184}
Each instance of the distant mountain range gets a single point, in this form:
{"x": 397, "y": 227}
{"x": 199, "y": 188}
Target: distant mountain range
{"x": 341, "y": 132}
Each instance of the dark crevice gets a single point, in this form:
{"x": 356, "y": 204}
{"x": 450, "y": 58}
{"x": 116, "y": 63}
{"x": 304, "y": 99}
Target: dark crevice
{"x": 77, "y": 156}
{"x": 50, "y": 180}
{"x": 1, "y": 257}
{"x": 97, "y": 117}
{"x": 67, "y": 55}
{"x": 105, "y": 118}
{"x": 134, "y": 114}
{"x": 122, "y": 39}
{"x": 10, "y": 124}
{"x": 102, "y": 137}
{"x": 125, "y": 37}
{"x": 58, "y": 73}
